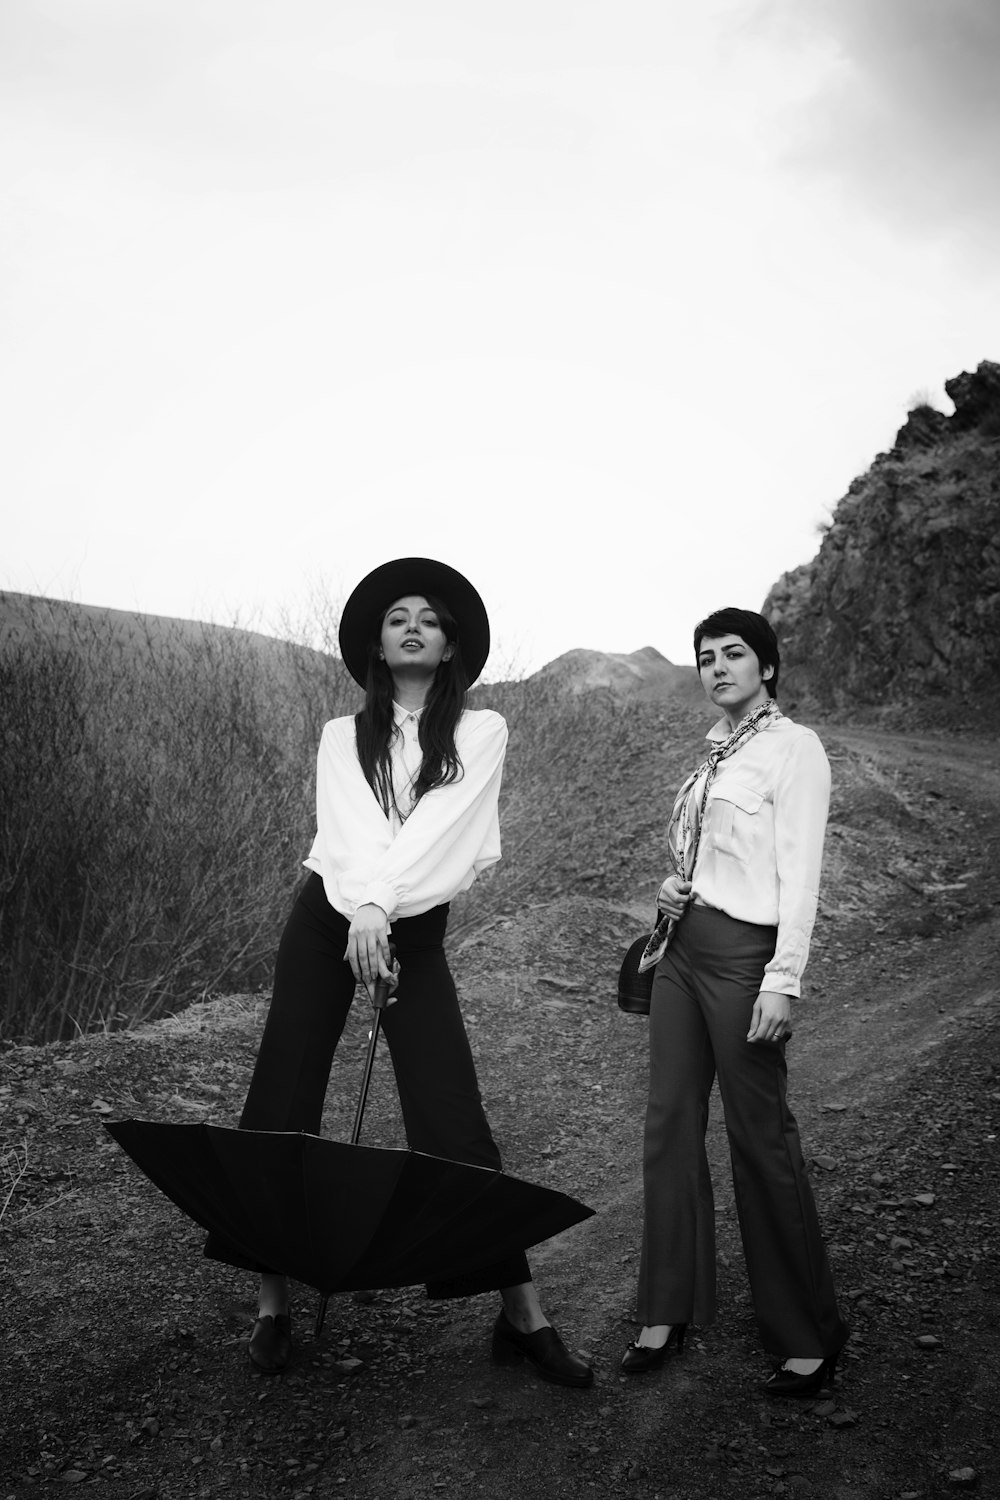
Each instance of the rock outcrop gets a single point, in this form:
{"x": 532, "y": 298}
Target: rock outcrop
{"x": 901, "y": 605}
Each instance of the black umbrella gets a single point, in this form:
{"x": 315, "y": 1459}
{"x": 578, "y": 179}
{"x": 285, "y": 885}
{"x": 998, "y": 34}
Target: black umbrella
{"x": 340, "y": 1216}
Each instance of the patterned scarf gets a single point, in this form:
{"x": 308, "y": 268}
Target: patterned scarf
{"x": 684, "y": 827}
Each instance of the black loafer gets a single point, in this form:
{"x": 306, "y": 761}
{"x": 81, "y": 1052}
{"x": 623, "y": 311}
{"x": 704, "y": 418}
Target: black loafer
{"x": 270, "y": 1345}
{"x": 544, "y": 1348}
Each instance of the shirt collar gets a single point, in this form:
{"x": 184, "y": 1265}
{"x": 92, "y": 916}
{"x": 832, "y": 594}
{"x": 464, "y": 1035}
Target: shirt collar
{"x": 721, "y": 731}
{"x": 400, "y": 714}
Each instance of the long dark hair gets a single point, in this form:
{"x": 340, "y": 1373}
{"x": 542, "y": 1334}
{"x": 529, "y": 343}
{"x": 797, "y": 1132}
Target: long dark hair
{"x": 375, "y": 726}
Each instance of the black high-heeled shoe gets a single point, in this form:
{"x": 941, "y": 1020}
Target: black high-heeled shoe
{"x": 789, "y": 1383}
{"x": 638, "y": 1358}
{"x": 270, "y": 1346}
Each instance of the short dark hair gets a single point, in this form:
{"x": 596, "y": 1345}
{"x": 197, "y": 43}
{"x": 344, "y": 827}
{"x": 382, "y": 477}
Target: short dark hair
{"x": 750, "y": 627}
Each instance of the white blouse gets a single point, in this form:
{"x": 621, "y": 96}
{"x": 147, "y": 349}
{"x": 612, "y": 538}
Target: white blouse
{"x": 761, "y": 844}
{"x": 406, "y": 864}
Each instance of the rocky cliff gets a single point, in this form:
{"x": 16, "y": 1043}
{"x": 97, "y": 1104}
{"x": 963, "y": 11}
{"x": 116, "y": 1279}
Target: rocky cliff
{"x": 901, "y": 605}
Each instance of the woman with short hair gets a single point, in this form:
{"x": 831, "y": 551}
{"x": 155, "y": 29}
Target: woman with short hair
{"x": 745, "y": 839}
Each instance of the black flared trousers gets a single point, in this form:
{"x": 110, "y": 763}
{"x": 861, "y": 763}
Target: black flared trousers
{"x": 435, "y": 1073}
{"x": 704, "y": 990}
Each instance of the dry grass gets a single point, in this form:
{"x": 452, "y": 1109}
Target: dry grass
{"x": 155, "y": 796}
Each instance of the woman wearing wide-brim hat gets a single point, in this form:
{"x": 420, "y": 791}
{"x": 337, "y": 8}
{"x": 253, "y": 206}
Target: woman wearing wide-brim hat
{"x": 407, "y": 816}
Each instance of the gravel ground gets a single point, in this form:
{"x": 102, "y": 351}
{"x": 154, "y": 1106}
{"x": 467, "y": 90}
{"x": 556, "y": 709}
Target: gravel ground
{"x": 124, "y": 1366}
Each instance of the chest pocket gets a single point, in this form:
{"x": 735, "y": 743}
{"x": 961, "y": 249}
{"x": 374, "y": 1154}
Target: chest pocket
{"x": 730, "y": 814}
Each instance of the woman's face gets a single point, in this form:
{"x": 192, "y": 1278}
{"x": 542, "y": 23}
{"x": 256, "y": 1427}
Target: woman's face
{"x": 731, "y": 675}
{"x": 412, "y": 640}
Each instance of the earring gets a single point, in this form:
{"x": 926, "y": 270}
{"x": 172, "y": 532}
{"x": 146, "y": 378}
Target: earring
{"x": 381, "y": 654}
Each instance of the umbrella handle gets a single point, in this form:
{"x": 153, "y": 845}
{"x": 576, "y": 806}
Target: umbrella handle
{"x": 380, "y": 995}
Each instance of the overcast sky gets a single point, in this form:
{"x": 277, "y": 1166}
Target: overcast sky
{"x": 605, "y": 302}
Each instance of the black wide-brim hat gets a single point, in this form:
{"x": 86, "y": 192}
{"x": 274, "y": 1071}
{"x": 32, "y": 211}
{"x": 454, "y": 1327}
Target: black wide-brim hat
{"x": 363, "y": 611}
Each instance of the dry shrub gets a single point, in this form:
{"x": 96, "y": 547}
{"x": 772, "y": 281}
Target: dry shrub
{"x": 156, "y": 794}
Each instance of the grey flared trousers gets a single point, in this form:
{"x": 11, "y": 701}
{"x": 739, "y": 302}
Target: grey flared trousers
{"x": 703, "y": 995}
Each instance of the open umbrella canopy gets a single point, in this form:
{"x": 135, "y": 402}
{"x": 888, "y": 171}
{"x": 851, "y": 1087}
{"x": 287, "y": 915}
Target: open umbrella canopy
{"x": 343, "y": 1217}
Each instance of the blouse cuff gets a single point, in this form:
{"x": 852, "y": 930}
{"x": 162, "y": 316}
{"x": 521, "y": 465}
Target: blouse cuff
{"x": 782, "y": 984}
{"x": 381, "y": 894}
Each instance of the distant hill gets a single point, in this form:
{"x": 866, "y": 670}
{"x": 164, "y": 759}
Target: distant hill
{"x": 643, "y": 674}
{"x": 900, "y": 608}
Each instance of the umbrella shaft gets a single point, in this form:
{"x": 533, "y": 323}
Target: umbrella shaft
{"x": 366, "y": 1080}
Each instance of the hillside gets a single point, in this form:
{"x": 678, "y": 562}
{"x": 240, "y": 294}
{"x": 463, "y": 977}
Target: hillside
{"x": 900, "y": 608}
{"x": 30, "y": 621}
